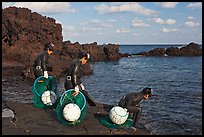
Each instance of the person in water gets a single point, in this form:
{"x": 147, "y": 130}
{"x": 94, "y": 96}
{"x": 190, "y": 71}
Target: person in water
{"x": 74, "y": 73}
{"x": 40, "y": 66}
{"x": 132, "y": 101}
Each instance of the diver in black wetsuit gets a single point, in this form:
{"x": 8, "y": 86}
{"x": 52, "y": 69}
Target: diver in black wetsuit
{"x": 74, "y": 73}
{"x": 132, "y": 103}
{"x": 40, "y": 64}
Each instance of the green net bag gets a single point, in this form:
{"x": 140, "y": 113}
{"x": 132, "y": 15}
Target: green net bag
{"x": 67, "y": 98}
{"x": 45, "y": 93}
{"x": 108, "y": 123}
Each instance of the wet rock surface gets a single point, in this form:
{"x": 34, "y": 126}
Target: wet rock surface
{"x": 17, "y": 96}
{"x": 34, "y": 121}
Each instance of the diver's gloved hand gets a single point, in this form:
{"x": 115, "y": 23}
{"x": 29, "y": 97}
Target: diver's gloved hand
{"x": 45, "y": 74}
{"x": 76, "y": 89}
{"x": 82, "y": 86}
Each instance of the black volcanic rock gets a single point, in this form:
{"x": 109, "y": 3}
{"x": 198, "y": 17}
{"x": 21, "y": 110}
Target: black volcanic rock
{"x": 173, "y": 51}
{"x": 24, "y": 34}
{"x": 192, "y": 49}
{"x": 154, "y": 52}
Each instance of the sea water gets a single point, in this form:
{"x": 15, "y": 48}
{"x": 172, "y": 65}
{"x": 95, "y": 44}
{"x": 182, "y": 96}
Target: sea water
{"x": 175, "y": 108}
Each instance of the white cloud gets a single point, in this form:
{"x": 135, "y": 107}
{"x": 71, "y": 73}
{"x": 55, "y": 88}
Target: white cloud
{"x": 191, "y": 24}
{"x": 91, "y": 29}
{"x": 122, "y": 30}
{"x": 136, "y": 34}
{"x": 68, "y": 28}
{"x": 46, "y": 7}
{"x": 158, "y": 20}
{"x": 111, "y": 20}
{"x": 168, "y": 4}
{"x": 99, "y": 23}
{"x": 194, "y": 5}
{"x": 166, "y": 30}
{"x": 69, "y": 31}
{"x": 161, "y": 21}
{"x": 139, "y": 23}
{"x": 190, "y": 17}
{"x": 170, "y": 21}
{"x": 102, "y": 34}
{"x": 124, "y": 7}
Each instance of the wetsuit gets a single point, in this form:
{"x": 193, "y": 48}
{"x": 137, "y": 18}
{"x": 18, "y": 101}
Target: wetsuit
{"x": 73, "y": 78}
{"x": 132, "y": 103}
{"x": 73, "y": 74}
{"x": 40, "y": 64}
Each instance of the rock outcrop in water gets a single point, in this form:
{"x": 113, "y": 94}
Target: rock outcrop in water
{"x": 24, "y": 34}
{"x": 192, "y": 49}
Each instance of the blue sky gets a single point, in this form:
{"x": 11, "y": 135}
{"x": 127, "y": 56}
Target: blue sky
{"x": 123, "y": 22}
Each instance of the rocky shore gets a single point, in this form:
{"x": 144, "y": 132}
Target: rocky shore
{"x": 28, "y": 120}
{"x": 24, "y": 34}
{"x": 33, "y": 121}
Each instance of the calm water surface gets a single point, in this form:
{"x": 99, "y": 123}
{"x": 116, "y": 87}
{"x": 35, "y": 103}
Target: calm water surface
{"x": 176, "y": 108}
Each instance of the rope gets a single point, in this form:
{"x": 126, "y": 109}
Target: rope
{"x": 40, "y": 78}
{"x": 70, "y": 90}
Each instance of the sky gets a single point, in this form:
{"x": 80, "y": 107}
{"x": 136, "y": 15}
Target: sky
{"x": 123, "y": 22}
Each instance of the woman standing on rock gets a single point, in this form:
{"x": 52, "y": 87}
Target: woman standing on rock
{"x": 74, "y": 73}
{"x": 40, "y": 64}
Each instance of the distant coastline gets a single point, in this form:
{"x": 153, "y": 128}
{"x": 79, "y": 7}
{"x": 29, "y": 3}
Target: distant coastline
{"x": 155, "y": 44}
{"x": 191, "y": 49}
